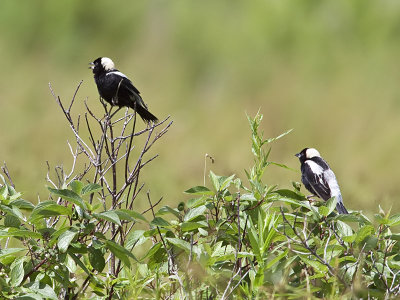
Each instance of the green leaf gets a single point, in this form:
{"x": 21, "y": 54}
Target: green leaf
{"x": 394, "y": 220}
{"x": 199, "y": 190}
{"x": 179, "y": 243}
{"x": 153, "y": 250}
{"x": 14, "y": 211}
{"x": 48, "y": 209}
{"x": 11, "y": 221}
{"x": 133, "y": 214}
{"x": 46, "y": 292}
{"x": 215, "y": 181}
{"x": 344, "y": 229}
{"x": 110, "y": 216}
{"x": 22, "y": 204}
{"x": 79, "y": 263}
{"x": 196, "y": 201}
{"x": 91, "y": 188}
{"x": 253, "y": 237}
{"x": 331, "y": 204}
{"x": 316, "y": 265}
{"x": 70, "y": 196}
{"x": 290, "y": 194}
{"x": 65, "y": 239}
{"x": 277, "y": 138}
{"x": 349, "y": 218}
{"x": 70, "y": 263}
{"x": 120, "y": 252}
{"x": 194, "y": 213}
{"x": 134, "y": 238}
{"x": 166, "y": 209}
{"x": 364, "y": 232}
{"x": 323, "y": 211}
{"x": 277, "y": 259}
{"x": 189, "y": 226}
{"x": 225, "y": 182}
{"x": 17, "y": 272}
{"x": 158, "y": 221}
{"x": 96, "y": 259}
{"x": 13, "y": 232}
{"x": 382, "y": 220}
{"x": 76, "y": 186}
{"x": 10, "y": 251}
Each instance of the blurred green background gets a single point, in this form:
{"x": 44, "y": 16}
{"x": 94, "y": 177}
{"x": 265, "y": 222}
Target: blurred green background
{"x": 328, "y": 69}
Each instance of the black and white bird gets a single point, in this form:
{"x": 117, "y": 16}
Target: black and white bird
{"x": 116, "y": 88}
{"x": 318, "y": 177}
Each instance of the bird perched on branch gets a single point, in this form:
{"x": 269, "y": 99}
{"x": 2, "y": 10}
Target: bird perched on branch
{"x": 116, "y": 88}
{"x": 318, "y": 177}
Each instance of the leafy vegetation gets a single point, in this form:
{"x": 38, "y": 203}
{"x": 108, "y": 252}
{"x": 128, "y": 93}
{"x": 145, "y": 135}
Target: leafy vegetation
{"x": 233, "y": 239}
{"x": 206, "y": 63}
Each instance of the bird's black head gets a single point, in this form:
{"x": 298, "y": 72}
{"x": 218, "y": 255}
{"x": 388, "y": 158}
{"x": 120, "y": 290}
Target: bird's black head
{"x": 102, "y": 64}
{"x": 307, "y": 153}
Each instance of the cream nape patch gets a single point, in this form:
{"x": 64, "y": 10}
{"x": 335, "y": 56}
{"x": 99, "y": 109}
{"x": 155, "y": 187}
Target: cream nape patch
{"x": 107, "y": 63}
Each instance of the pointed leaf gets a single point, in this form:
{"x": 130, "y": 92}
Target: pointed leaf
{"x": 331, "y": 204}
{"x": 199, "y": 190}
{"x": 76, "y": 186}
{"x": 48, "y": 209}
{"x": 69, "y": 195}
{"x": 166, "y": 209}
{"x": 394, "y": 220}
{"x": 13, "y": 232}
{"x": 22, "y": 204}
{"x": 9, "y": 251}
{"x": 180, "y": 243}
{"x": 120, "y": 252}
{"x": 133, "y": 214}
{"x": 17, "y": 272}
{"x": 91, "y": 188}
{"x": 158, "y": 221}
{"x": 189, "y": 226}
{"x": 215, "y": 181}
{"x": 276, "y": 138}
{"x": 65, "y": 239}
{"x": 96, "y": 259}
{"x": 194, "y": 213}
{"x": 364, "y": 232}
{"x": 110, "y": 216}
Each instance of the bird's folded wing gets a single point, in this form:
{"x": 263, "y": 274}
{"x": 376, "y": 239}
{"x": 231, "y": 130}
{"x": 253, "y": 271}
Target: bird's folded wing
{"x": 315, "y": 178}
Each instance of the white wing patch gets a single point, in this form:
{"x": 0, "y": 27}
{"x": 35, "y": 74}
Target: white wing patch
{"x": 117, "y": 73}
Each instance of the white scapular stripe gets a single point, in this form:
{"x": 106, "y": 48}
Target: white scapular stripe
{"x": 315, "y": 168}
{"x": 118, "y": 73}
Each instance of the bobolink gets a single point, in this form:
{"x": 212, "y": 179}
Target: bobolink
{"x": 318, "y": 178}
{"x": 116, "y": 88}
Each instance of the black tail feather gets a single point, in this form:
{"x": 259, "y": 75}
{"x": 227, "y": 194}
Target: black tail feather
{"x": 145, "y": 114}
{"x": 341, "y": 209}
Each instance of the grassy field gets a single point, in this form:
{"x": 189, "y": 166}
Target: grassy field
{"x": 327, "y": 69}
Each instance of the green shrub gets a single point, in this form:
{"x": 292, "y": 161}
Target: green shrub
{"x": 237, "y": 238}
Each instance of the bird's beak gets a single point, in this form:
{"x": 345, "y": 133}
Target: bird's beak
{"x": 297, "y": 155}
{"x": 91, "y": 65}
